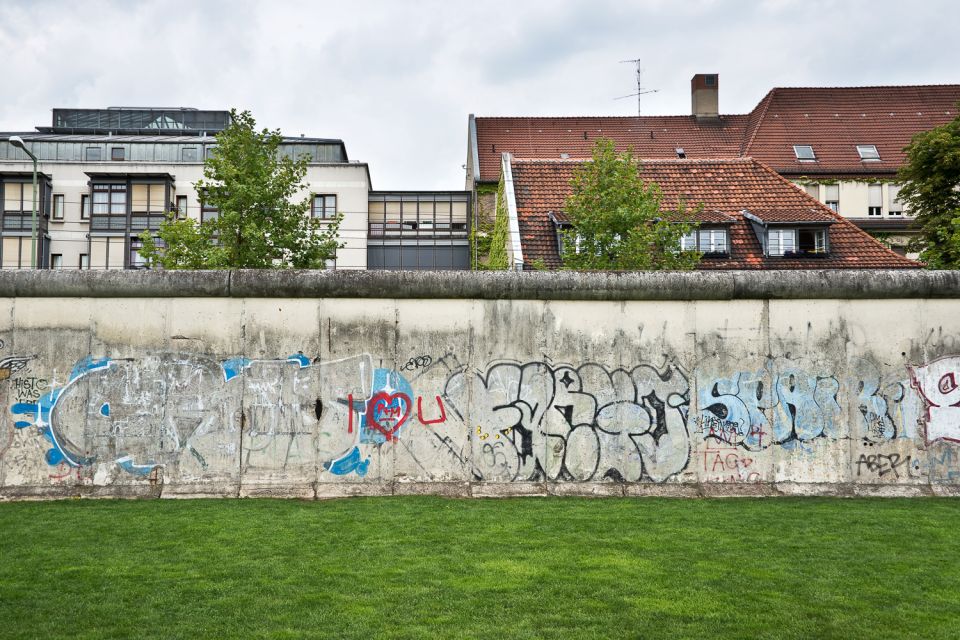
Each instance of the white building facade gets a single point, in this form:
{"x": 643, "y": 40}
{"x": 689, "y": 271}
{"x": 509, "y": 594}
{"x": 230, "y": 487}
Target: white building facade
{"x": 108, "y": 175}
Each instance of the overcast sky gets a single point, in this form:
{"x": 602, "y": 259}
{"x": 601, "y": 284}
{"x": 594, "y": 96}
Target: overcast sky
{"x": 396, "y": 80}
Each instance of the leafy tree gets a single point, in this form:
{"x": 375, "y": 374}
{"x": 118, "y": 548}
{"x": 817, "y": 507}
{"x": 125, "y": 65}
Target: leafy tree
{"x": 259, "y": 224}
{"x": 617, "y": 220}
{"x": 931, "y": 189}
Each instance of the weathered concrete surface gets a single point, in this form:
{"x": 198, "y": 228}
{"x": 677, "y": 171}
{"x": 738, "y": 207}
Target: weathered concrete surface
{"x": 231, "y": 385}
{"x": 491, "y": 285}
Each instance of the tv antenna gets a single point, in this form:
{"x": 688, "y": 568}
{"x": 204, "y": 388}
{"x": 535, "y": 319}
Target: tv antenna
{"x": 641, "y": 90}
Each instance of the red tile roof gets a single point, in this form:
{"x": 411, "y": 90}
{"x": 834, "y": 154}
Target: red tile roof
{"x": 835, "y": 120}
{"x": 832, "y": 120}
{"x": 648, "y": 136}
{"x": 724, "y": 187}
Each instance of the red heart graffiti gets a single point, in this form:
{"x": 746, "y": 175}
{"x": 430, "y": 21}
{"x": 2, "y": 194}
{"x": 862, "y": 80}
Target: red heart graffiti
{"x": 383, "y": 416}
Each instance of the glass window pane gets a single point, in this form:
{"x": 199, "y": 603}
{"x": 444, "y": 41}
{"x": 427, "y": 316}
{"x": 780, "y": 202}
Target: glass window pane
{"x": 140, "y": 197}
{"x": 894, "y": 196}
{"x": 157, "y": 191}
{"x": 11, "y": 196}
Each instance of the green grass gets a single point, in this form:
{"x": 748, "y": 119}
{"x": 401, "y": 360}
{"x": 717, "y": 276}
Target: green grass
{"x": 519, "y": 568}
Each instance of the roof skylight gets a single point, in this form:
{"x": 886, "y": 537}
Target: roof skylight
{"x": 868, "y": 152}
{"x": 804, "y": 152}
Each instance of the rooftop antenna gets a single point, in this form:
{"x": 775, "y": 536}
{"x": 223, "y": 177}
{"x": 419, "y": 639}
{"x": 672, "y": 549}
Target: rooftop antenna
{"x": 641, "y": 91}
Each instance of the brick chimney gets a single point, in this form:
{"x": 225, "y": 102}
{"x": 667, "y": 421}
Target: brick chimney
{"x": 704, "y": 96}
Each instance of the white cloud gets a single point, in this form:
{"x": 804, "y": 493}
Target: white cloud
{"x": 396, "y": 80}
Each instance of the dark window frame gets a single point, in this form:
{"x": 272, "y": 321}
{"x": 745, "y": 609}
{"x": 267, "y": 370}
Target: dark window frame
{"x": 57, "y": 197}
{"x": 181, "y": 210}
{"x": 325, "y": 208}
{"x": 114, "y": 154}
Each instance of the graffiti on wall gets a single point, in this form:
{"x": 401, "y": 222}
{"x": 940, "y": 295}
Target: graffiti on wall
{"x": 196, "y": 417}
{"x": 539, "y": 421}
{"x": 937, "y": 384}
{"x": 788, "y": 404}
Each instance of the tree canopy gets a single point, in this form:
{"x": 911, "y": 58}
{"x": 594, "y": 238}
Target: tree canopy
{"x": 259, "y": 224}
{"x": 617, "y": 222}
{"x": 931, "y": 190}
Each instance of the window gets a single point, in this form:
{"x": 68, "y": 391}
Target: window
{"x": 874, "y": 199}
{"x": 148, "y": 198}
{"x": 868, "y": 152}
{"x": 136, "y": 260}
{"x": 706, "y": 241}
{"x": 831, "y": 196}
{"x": 92, "y": 154}
{"x": 804, "y": 152}
{"x": 208, "y": 152}
{"x": 813, "y": 190}
{"x": 324, "y": 206}
{"x": 56, "y": 261}
{"x": 896, "y": 207}
{"x": 781, "y": 241}
{"x": 812, "y": 241}
{"x": 58, "y": 206}
{"x": 710, "y": 80}
{"x": 109, "y": 199}
{"x": 680, "y": 153}
{"x": 85, "y": 207}
{"x": 117, "y": 153}
{"x": 188, "y": 154}
{"x": 208, "y": 212}
{"x": 84, "y": 261}
{"x": 797, "y": 242}
{"x": 713, "y": 240}
{"x": 16, "y": 198}
{"x": 182, "y": 207}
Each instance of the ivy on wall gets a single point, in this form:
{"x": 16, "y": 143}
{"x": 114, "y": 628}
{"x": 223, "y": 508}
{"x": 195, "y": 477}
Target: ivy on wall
{"x": 498, "y": 238}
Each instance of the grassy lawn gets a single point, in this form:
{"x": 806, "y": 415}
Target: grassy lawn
{"x": 515, "y": 568}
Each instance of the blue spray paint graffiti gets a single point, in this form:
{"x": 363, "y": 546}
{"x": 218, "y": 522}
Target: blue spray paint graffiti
{"x": 127, "y": 464}
{"x": 234, "y": 367}
{"x": 300, "y": 359}
{"x": 40, "y": 412}
{"x": 348, "y": 464}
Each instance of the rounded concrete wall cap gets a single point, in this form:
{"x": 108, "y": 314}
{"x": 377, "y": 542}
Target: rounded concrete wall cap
{"x": 557, "y": 285}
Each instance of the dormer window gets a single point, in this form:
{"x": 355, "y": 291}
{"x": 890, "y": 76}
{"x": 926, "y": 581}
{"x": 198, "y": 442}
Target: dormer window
{"x": 797, "y": 242}
{"x": 709, "y": 241}
{"x": 804, "y": 152}
{"x": 868, "y": 152}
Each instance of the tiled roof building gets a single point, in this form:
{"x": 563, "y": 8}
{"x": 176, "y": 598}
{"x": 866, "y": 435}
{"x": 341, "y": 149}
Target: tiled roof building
{"x": 750, "y": 206}
{"x": 843, "y": 145}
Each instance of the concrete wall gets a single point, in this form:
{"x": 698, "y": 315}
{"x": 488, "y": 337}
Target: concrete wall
{"x": 330, "y": 384}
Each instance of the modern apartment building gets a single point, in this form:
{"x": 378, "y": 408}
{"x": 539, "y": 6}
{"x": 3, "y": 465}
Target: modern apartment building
{"x": 108, "y": 175}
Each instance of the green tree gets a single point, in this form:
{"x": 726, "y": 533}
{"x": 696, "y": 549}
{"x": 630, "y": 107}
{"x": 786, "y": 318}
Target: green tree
{"x": 617, "y": 222}
{"x": 931, "y": 190}
{"x": 259, "y": 225}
